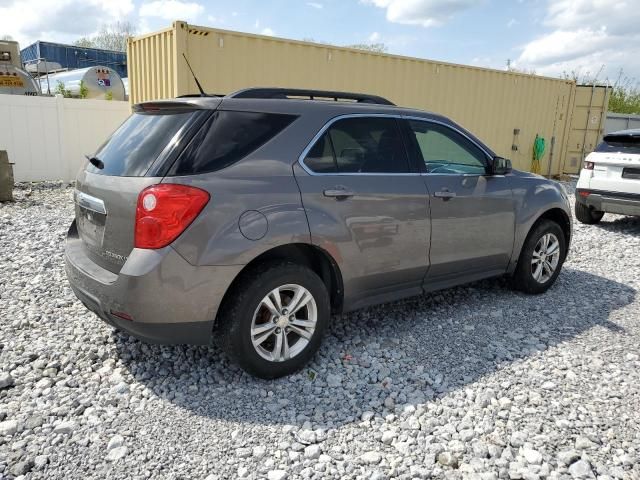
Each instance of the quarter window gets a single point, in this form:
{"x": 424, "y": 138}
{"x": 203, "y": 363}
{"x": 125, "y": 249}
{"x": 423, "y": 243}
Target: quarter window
{"x": 360, "y": 145}
{"x": 227, "y": 137}
{"x": 444, "y": 150}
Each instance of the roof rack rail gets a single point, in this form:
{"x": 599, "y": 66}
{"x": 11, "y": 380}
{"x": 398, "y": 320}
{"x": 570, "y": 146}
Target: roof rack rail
{"x": 284, "y": 93}
{"x": 193, "y": 95}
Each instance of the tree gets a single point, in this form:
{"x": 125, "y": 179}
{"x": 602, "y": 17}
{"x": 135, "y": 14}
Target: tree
{"x": 625, "y": 95}
{"x": 370, "y": 47}
{"x": 512, "y": 68}
{"x": 112, "y": 36}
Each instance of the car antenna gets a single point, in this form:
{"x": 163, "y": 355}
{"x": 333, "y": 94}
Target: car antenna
{"x": 202, "y": 94}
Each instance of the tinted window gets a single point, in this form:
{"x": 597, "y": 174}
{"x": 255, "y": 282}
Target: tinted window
{"x": 444, "y": 150}
{"x": 368, "y": 145}
{"x": 320, "y": 158}
{"x": 131, "y": 150}
{"x": 227, "y": 137}
{"x": 620, "y": 144}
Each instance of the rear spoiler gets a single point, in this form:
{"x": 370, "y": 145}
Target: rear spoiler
{"x": 173, "y": 106}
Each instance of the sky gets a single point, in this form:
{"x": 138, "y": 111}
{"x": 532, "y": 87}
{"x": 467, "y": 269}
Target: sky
{"x": 550, "y": 37}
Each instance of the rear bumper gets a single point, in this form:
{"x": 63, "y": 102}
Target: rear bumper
{"x": 610, "y": 202}
{"x": 169, "y": 300}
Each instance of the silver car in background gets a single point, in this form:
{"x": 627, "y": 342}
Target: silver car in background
{"x": 254, "y": 217}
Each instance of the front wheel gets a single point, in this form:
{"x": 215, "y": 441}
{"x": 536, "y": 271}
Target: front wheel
{"x": 274, "y": 320}
{"x": 541, "y": 258}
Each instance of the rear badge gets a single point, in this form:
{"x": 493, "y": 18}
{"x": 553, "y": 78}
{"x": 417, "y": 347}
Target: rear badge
{"x": 115, "y": 256}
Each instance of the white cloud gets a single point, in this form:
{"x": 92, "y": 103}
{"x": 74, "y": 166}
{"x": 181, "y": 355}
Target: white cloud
{"x": 267, "y": 31}
{"x": 585, "y": 35}
{"x": 64, "y": 20}
{"x": 315, "y": 5}
{"x": 427, "y": 13}
{"x": 374, "y": 37}
{"x": 512, "y": 22}
{"x": 172, "y": 10}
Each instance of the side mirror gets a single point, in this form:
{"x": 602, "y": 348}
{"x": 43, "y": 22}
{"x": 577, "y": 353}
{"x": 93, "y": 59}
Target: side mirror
{"x": 500, "y": 166}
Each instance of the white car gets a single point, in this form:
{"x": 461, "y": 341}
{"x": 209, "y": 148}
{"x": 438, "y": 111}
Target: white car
{"x": 610, "y": 178}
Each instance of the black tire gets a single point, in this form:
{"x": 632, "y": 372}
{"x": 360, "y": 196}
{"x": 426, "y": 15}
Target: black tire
{"x": 587, "y": 215}
{"x": 238, "y": 311}
{"x": 523, "y": 278}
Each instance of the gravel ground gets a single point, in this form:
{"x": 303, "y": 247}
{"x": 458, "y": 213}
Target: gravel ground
{"x": 472, "y": 382}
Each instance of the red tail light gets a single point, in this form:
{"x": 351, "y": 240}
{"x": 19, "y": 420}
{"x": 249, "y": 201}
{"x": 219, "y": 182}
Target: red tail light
{"x": 588, "y": 165}
{"x": 164, "y": 211}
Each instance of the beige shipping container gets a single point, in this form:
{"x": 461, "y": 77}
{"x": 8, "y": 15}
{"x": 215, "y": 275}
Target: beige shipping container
{"x": 587, "y": 124}
{"x": 505, "y": 109}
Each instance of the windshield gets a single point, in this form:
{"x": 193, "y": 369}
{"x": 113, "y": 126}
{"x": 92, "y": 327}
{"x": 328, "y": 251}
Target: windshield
{"x": 133, "y": 147}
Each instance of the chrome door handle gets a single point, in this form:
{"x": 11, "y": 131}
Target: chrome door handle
{"x": 338, "y": 193}
{"x": 444, "y": 194}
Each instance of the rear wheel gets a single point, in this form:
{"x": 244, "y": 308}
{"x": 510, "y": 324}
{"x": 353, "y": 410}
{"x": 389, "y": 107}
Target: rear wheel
{"x": 541, "y": 258}
{"x": 587, "y": 215}
{"x": 275, "y": 318}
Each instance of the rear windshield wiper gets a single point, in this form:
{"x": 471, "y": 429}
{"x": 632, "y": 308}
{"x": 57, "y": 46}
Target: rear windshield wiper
{"x": 95, "y": 161}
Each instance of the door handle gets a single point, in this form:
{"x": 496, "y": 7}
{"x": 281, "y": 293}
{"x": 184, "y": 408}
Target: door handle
{"x": 339, "y": 193}
{"x": 444, "y": 194}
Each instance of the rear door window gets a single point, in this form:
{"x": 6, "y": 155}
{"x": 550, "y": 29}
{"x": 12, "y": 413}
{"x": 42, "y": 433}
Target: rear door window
{"x": 226, "y": 137}
{"x": 360, "y": 145}
{"x": 133, "y": 147}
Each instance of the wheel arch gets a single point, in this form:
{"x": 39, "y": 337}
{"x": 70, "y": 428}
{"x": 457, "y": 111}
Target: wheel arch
{"x": 559, "y": 216}
{"x": 555, "y": 214}
{"x": 315, "y": 258}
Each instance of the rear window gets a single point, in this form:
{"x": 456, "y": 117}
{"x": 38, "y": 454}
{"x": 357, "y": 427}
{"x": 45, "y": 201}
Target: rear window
{"x": 226, "y": 137}
{"x": 620, "y": 144}
{"x": 133, "y": 148}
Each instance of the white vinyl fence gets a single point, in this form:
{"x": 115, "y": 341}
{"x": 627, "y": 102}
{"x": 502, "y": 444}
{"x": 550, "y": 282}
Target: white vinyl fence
{"x": 47, "y": 137}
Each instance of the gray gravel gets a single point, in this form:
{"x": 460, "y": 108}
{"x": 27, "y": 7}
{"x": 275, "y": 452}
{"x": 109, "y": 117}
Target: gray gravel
{"x": 473, "y": 382}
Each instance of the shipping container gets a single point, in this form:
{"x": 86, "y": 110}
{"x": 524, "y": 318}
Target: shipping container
{"x": 505, "y": 109}
{"x": 587, "y": 124}
{"x": 71, "y": 57}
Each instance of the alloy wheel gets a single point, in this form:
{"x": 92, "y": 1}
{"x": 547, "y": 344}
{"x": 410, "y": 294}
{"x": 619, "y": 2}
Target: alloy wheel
{"x": 284, "y": 322}
{"x": 545, "y": 258}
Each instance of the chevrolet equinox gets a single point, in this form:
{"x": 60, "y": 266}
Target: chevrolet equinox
{"x": 255, "y": 216}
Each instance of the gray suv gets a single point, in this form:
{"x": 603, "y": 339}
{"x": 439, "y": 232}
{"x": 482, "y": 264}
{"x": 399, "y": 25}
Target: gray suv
{"x": 256, "y": 216}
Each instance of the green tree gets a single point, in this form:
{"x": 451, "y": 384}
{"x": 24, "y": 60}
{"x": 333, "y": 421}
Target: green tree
{"x": 370, "y": 47}
{"x": 112, "y": 36}
{"x": 61, "y": 90}
{"x": 625, "y": 95}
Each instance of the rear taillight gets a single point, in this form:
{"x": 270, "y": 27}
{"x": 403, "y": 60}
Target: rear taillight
{"x": 584, "y": 193}
{"x": 164, "y": 211}
{"x": 588, "y": 165}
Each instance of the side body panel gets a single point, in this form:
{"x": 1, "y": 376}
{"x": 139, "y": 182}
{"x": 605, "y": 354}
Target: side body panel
{"x": 379, "y": 236}
{"x": 473, "y": 232}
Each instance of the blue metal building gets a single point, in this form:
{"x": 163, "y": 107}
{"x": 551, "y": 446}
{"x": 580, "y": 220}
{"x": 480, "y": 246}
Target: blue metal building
{"x": 72, "y": 57}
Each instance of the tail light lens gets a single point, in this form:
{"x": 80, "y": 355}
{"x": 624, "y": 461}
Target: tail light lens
{"x": 164, "y": 211}
{"x": 588, "y": 165}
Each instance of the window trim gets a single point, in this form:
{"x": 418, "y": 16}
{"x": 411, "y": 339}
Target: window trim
{"x": 397, "y": 116}
{"x": 487, "y": 156}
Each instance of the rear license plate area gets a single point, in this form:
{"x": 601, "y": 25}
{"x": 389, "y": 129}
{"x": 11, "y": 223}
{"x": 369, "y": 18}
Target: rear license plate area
{"x": 633, "y": 173}
{"x": 91, "y": 226}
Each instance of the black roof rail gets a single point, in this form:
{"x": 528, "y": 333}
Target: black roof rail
{"x": 194, "y": 95}
{"x": 284, "y": 93}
